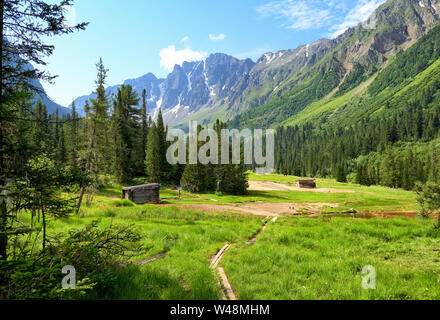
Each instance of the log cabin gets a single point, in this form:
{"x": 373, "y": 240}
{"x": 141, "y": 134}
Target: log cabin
{"x": 146, "y": 193}
{"x": 306, "y": 183}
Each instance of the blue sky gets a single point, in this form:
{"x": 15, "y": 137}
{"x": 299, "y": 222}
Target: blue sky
{"x": 135, "y": 37}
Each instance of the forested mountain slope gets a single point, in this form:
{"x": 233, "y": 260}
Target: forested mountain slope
{"x": 282, "y": 84}
{"x": 385, "y": 131}
{"x": 356, "y": 57}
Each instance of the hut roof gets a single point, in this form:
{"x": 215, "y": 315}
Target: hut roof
{"x": 151, "y": 186}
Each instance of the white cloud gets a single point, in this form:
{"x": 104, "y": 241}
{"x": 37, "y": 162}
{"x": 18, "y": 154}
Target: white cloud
{"x": 314, "y": 14}
{"x": 184, "y": 39}
{"x": 300, "y": 14}
{"x": 169, "y": 57}
{"x": 360, "y": 13}
{"x": 218, "y": 37}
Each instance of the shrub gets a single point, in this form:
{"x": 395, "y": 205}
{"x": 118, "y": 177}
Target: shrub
{"x": 121, "y": 203}
{"x": 428, "y": 199}
{"x": 109, "y": 213}
{"x": 93, "y": 252}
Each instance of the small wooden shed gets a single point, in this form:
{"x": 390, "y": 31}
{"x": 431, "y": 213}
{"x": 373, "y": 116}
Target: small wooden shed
{"x": 146, "y": 193}
{"x": 306, "y": 183}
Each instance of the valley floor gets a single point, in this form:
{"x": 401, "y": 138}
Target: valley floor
{"x": 282, "y": 243}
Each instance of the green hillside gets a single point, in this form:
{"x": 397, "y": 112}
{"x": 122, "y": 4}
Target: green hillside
{"x": 339, "y": 78}
{"x": 384, "y": 131}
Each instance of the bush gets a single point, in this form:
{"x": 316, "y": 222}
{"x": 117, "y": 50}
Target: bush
{"x": 94, "y": 253}
{"x": 428, "y": 199}
{"x": 121, "y": 203}
{"x": 109, "y": 213}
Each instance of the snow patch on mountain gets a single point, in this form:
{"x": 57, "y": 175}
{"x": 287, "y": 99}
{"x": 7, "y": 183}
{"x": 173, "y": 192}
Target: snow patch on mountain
{"x": 188, "y": 76}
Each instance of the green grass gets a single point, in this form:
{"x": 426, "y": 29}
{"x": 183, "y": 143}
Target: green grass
{"x": 121, "y": 203}
{"x": 317, "y": 108}
{"x": 300, "y": 258}
{"x": 361, "y": 198}
{"x": 294, "y": 258}
{"x": 190, "y": 239}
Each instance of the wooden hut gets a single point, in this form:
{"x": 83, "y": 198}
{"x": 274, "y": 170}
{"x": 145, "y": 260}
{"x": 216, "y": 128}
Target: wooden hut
{"x": 147, "y": 193}
{"x": 306, "y": 183}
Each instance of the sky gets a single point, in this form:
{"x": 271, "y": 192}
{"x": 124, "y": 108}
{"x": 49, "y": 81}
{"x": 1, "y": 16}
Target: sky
{"x": 134, "y": 37}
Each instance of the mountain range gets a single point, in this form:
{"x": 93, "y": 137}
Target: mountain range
{"x": 51, "y": 105}
{"x": 287, "y": 85}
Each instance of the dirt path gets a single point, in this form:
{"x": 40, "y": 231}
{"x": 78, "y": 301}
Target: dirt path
{"x": 245, "y": 209}
{"x": 264, "y": 209}
{"x": 224, "y": 284}
{"x": 273, "y": 186}
{"x": 143, "y": 261}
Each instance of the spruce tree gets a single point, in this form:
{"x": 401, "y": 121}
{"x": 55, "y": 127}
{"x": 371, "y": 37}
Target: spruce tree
{"x": 194, "y": 178}
{"x": 144, "y": 126}
{"x": 152, "y": 158}
{"x": 61, "y": 148}
{"x": 125, "y": 130}
{"x": 341, "y": 175}
{"x": 40, "y": 133}
{"x": 74, "y": 145}
{"x": 164, "y": 166}
{"x": 24, "y": 27}
{"x": 99, "y": 111}
{"x": 388, "y": 169}
{"x": 97, "y": 158}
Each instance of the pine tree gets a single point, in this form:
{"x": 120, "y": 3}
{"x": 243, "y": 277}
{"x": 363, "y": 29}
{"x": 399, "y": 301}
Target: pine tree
{"x": 40, "y": 133}
{"x": 152, "y": 158}
{"x": 388, "y": 169}
{"x": 341, "y": 175}
{"x": 100, "y": 115}
{"x": 194, "y": 178}
{"x": 74, "y": 145}
{"x": 125, "y": 130}
{"x": 97, "y": 158}
{"x": 165, "y": 167}
{"x": 61, "y": 148}
{"x": 24, "y": 27}
{"x": 144, "y": 125}
{"x": 56, "y": 129}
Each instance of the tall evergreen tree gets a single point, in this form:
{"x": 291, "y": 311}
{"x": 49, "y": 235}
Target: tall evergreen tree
{"x": 388, "y": 169}
{"x": 165, "y": 167}
{"x": 41, "y": 133}
{"x": 152, "y": 158}
{"x": 23, "y": 27}
{"x": 74, "y": 137}
{"x": 61, "y": 149}
{"x": 144, "y": 124}
{"x": 126, "y": 129}
{"x": 99, "y": 113}
{"x": 97, "y": 158}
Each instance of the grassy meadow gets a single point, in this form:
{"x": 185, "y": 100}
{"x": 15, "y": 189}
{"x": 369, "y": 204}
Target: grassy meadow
{"x": 189, "y": 239}
{"x": 300, "y": 258}
{"x": 295, "y": 257}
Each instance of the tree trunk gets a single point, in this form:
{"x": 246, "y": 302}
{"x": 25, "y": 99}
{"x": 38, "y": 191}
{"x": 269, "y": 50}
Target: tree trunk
{"x": 88, "y": 164}
{"x": 3, "y": 229}
{"x": 3, "y": 207}
{"x": 44, "y": 226}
